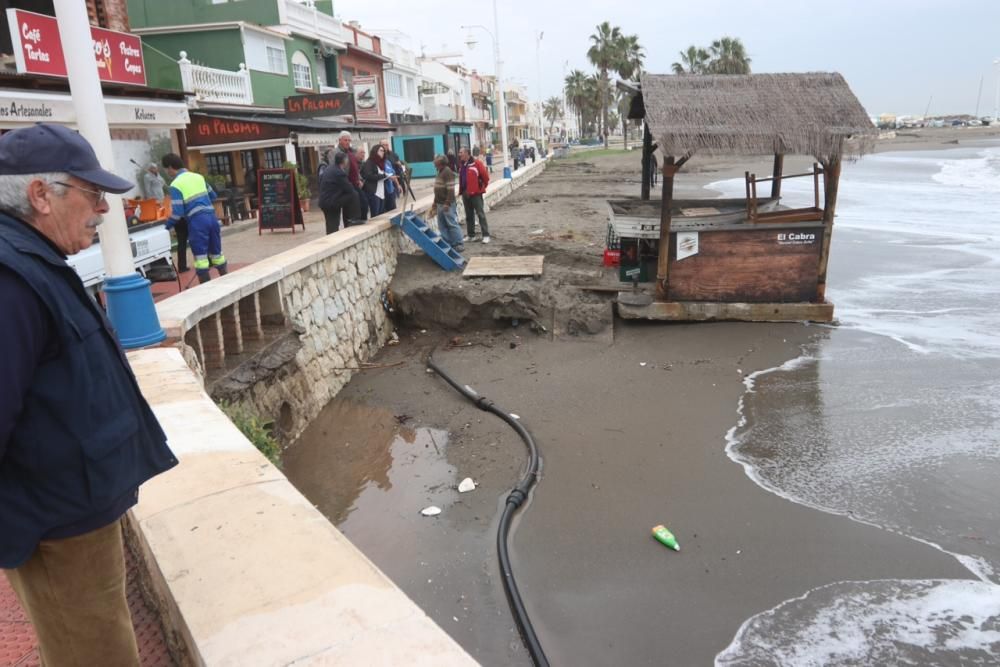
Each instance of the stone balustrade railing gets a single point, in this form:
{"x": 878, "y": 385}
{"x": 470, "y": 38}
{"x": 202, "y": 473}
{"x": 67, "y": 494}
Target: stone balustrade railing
{"x": 216, "y": 85}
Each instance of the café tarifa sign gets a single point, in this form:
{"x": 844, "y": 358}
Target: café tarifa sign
{"x": 38, "y": 49}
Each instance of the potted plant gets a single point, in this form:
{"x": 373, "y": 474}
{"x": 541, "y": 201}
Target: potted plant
{"x": 301, "y": 185}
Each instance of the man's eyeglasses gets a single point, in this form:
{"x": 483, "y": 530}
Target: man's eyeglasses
{"x": 99, "y": 195}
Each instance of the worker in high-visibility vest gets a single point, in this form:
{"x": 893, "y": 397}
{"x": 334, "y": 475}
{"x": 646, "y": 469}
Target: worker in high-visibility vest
{"x": 191, "y": 199}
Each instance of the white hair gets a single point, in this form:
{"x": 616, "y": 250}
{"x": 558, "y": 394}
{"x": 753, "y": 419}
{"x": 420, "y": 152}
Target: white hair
{"x": 14, "y": 191}
{"x": 344, "y": 133}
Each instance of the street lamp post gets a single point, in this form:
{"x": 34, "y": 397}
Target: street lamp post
{"x": 538, "y": 72}
{"x": 470, "y": 41}
{"x": 996, "y": 99}
{"x": 129, "y": 299}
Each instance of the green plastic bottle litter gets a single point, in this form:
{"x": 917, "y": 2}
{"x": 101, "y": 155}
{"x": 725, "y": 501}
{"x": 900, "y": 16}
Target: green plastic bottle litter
{"x": 666, "y": 537}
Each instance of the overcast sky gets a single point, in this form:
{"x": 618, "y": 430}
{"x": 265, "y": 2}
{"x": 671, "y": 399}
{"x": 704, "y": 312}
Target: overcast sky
{"x": 895, "y": 55}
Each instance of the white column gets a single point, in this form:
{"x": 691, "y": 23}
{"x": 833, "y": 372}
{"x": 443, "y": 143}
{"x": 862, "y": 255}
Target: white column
{"x": 290, "y": 153}
{"x": 503, "y": 98}
{"x": 92, "y": 121}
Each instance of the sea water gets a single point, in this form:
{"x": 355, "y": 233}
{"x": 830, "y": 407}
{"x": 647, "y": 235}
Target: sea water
{"x": 893, "y": 417}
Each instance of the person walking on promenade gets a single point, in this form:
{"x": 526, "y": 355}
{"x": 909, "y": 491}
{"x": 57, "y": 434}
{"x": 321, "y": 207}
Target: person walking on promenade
{"x": 191, "y": 200}
{"x": 77, "y": 438}
{"x": 354, "y": 169}
{"x": 446, "y": 205}
{"x": 489, "y": 158}
{"x": 337, "y": 195}
{"x": 472, "y": 181}
{"x": 374, "y": 177}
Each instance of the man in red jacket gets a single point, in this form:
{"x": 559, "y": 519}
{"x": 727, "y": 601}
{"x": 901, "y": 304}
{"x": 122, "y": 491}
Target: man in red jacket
{"x": 473, "y": 177}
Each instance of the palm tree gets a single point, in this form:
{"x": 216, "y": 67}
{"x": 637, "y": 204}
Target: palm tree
{"x": 729, "y": 57}
{"x": 629, "y": 66}
{"x": 693, "y": 61}
{"x": 574, "y": 88}
{"x": 603, "y": 54}
{"x": 593, "y": 92}
{"x": 552, "y": 109}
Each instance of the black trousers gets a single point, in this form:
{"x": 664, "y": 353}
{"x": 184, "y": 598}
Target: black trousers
{"x": 346, "y": 206}
{"x": 181, "y": 228}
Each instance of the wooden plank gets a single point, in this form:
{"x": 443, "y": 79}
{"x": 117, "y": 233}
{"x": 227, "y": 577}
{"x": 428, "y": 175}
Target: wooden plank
{"x": 484, "y": 267}
{"x": 831, "y": 171}
{"x": 704, "y": 210}
{"x": 753, "y": 265}
{"x": 666, "y": 202}
{"x": 693, "y": 311}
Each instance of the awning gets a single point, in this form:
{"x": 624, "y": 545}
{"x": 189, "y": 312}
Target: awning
{"x": 238, "y": 146}
{"x": 19, "y": 108}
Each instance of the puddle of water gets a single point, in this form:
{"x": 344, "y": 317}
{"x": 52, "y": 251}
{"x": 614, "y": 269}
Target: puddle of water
{"x": 356, "y": 461}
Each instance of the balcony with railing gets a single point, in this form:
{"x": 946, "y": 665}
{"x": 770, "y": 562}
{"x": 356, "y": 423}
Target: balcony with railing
{"x": 217, "y": 86}
{"x": 302, "y": 18}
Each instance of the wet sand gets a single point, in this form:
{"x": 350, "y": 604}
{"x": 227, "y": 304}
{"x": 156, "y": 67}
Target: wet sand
{"x": 625, "y": 446}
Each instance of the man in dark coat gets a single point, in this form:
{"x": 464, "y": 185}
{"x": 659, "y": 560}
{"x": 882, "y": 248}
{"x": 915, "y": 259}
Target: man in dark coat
{"x": 77, "y": 438}
{"x": 337, "y": 196}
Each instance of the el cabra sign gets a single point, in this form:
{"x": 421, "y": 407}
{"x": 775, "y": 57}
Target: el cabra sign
{"x": 312, "y": 106}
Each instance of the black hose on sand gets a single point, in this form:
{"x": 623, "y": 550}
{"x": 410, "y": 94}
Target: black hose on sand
{"x": 515, "y": 499}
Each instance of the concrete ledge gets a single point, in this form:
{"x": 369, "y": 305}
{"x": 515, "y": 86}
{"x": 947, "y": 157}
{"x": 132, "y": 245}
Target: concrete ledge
{"x": 250, "y": 571}
{"x": 704, "y": 311}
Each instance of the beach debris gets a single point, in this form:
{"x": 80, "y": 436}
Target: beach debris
{"x": 740, "y": 371}
{"x": 515, "y": 416}
{"x": 432, "y": 510}
{"x": 642, "y": 363}
{"x": 393, "y": 339}
{"x": 466, "y": 485}
{"x": 537, "y": 231}
{"x": 423, "y": 331}
{"x": 665, "y": 537}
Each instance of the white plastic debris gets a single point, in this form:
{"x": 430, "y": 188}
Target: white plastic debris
{"x": 433, "y": 510}
{"x": 538, "y": 231}
{"x": 393, "y": 339}
{"x": 515, "y": 416}
{"x": 466, "y": 485}
{"x": 740, "y": 371}
{"x": 642, "y": 363}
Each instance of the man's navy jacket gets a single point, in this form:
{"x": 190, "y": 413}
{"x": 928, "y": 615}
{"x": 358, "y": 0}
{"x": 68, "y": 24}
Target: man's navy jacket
{"x": 84, "y": 438}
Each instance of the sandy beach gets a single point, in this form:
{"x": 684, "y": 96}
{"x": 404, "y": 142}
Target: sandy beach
{"x": 632, "y": 422}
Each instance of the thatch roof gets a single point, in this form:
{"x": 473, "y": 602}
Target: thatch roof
{"x": 755, "y": 114}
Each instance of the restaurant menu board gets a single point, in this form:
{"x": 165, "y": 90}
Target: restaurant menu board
{"x": 278, "y": 200}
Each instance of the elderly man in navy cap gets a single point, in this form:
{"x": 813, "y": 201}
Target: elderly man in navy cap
{"x": 76, "y": 436}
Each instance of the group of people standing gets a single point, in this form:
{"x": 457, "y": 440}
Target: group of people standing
{"x": 353, "y": 188}
{"x": 473, "y": 178}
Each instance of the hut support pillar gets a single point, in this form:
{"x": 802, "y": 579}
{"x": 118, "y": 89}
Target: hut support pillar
{"x": 666, "y": 202}
{"x": 779, "y": 163}
{"x": 647, "y": 153}
{"x": 831, "y": 173}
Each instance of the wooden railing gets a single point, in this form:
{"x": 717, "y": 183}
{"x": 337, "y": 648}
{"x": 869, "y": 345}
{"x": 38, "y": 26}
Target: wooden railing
{"x": 805, "y": 214}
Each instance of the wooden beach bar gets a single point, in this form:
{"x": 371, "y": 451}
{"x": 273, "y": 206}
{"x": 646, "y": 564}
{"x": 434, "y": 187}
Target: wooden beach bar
{"x": 751, "y": 259}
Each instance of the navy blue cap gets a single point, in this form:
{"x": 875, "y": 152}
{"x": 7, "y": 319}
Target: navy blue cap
{"x": 45, "y": 147}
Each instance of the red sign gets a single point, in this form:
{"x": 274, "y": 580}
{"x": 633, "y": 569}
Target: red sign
{"x": 206, "y": 130}
{"x": 38, "y": 49}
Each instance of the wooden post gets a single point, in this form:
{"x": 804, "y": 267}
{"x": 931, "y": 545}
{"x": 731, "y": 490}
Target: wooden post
{"x": 666, "y": 202}
{"x": 816, "y": 184}
{"x": 831, "y": 178}
{"x": 647, "y": 152}
{"x": 779, "y": 163}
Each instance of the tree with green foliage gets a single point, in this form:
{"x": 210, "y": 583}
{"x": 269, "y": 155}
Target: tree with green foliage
{"x": 552, "y": 109}
{"x": 629, "y": 66}
{"x": 729, "y": 56}
{"x": 575, "y": 89}
{"x": 604, "y": 55}
{"x": 693, "y": 61}
{"x": 726, "y": 55}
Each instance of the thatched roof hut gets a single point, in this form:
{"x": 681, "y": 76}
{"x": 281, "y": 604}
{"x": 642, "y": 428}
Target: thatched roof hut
{"x": 755, "y": 114}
